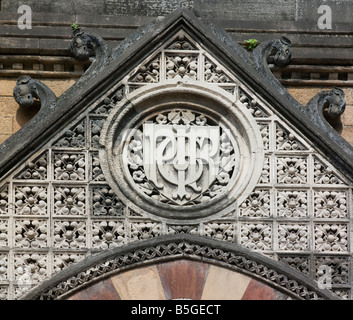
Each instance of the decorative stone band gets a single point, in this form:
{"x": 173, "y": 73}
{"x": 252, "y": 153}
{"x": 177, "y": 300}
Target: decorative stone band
{"x": 105, "y": 264}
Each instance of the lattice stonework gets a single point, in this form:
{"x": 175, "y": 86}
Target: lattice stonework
{"x": 59, "y": 206}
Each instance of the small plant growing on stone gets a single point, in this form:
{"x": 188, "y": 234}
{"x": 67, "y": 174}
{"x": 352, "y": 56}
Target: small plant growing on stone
{"x": 74, "y": 26}
{"x": 251, "y": 44}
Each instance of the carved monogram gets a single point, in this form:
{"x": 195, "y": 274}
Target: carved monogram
{"x": 181, "y": 158}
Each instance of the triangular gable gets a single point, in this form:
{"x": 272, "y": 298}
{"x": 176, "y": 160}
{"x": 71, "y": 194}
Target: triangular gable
{"x": 281, "y": 193}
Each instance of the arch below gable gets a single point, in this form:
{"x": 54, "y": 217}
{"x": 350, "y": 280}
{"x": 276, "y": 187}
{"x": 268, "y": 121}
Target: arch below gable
{"x": 159, "y": 268}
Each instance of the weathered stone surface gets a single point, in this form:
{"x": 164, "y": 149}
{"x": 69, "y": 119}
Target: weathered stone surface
{"x": 348, "y": 116}
{"x": 6, "y": 125}
{"x": 254, "y": 9}
{"x": 221, "y": 284}
{"x": 260, "y": 10}
{"x": 142, "y": 283}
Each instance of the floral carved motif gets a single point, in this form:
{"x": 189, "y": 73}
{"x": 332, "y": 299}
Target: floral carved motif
{"x": 31, "y": 200}
{"x": 70, "y": 234}
{"x": 4, "y": 261}
{"x": 96, "y": 127}
{"x": 324, "y": 174}
{"x": 69, "y": 201}
{"x": 74, "y": 137}
{"x": 256, "y": 110}
{"x": 97, "y": 172}
{"x": 181, "y": 67}
{"x": 338, "y": 269}
{"x": 299, "y": 263}
{"x": 30, "y": 268}
{"x": 108, "y": 234}
{"x": 4, "y": 233}
{"x": 35, "y": 170}
{"x": 69, "y": 166}
{"x": 181, "y": 42}
{"x": 214, "y": 73}
{"x": 291, "y": 170}
{"x": 331, "y": 237}
{"x": 144, "y": 230}
{"x": 292, "y": 204}
{"x": 106, "y": 202}
{"x": 220, "y": 231}
{"x": 266, "y": 172}
{"x": 293, "y": 237}
{"x": 148, "y": 73}
{"x": 31, "y": 233}
{"x": 256, "y": 236}
{"x": 330, "y": 204}
{"x": 4, "y": 200}
{"x": 257, "y": 204}
{"x": 63, "y": 260}
{"x": 286, "y": 140}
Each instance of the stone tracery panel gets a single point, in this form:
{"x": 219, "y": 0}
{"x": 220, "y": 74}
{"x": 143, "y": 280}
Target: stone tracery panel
{"x": 59, "y": 206}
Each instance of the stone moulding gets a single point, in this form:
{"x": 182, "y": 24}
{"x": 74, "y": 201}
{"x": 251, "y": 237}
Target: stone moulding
{"x": 104, "y": 264}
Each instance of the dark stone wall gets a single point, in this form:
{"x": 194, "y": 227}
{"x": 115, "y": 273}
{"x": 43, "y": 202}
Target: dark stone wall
{"x": 114, "y": 20}
{"x": 258, "y": 10}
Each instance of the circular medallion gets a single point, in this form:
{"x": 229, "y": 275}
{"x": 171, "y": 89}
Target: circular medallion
{"x": 181, "y": 157}
{"x": 183, "y": 154}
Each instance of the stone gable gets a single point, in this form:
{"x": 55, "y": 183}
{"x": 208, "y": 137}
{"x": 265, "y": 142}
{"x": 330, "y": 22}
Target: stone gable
{"x": 179, "y": 131}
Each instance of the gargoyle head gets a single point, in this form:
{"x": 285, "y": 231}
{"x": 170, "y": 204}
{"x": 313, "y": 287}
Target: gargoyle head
{"x": 335, "y": 104}
{"x": 80, "y": 46}
{"x": 281, "y": 52}
{"x": 25, "y": 91}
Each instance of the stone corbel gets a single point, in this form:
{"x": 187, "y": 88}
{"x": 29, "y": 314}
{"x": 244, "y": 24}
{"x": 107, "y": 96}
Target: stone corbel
{"x": 27, "y": 90}
{"x": 84, "y": 46}
{"x": 326, "y": 108}
{"x": 277, "y": 52}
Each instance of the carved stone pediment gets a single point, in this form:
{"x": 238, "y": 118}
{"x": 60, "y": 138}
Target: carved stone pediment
{"x": 179, "y": 131}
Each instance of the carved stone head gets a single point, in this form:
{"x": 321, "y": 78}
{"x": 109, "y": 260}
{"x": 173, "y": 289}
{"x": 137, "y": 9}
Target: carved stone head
{"x": 80, "y": 45}
{"x": 281, "y": 54}
{"x": 25, "y": 91}
{"x": 335, "y": 104}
